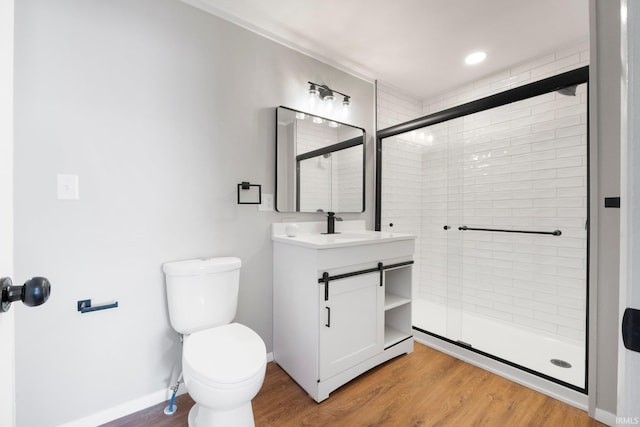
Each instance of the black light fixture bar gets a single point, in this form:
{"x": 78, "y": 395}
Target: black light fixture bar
{"x": 324, "y": 90}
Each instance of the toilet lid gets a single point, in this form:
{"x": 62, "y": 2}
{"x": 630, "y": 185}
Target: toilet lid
{"x": 226, "y": 354}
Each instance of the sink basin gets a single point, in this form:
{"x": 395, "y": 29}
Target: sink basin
{"x": 350, "y": 238}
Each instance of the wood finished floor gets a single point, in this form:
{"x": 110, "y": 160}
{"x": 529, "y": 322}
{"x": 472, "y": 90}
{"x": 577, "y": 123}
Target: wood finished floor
{"x": 425, "y": 388}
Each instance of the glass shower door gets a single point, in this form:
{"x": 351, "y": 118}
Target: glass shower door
{"x": 498, "y": 200}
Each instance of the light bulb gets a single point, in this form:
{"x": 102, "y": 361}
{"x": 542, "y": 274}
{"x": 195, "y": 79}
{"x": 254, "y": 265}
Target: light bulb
{"x": 328, "y": 97}
{"x": 313, "y": 94}
{"x": 328, "y": 103}
{"x": 475, "y": 58}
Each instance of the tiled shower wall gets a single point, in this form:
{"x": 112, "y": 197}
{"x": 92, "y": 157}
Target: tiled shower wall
{"x": 315, "y": 173}
{"x": 521, "y": 166}
{"x": 347, "y": 182}
{"x": 322, "y": 176}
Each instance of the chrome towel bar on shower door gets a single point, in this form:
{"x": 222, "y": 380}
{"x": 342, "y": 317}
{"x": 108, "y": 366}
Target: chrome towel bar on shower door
{"x": 552, "y": 233}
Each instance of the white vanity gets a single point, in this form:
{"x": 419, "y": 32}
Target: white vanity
{"x": 341, "y": 302}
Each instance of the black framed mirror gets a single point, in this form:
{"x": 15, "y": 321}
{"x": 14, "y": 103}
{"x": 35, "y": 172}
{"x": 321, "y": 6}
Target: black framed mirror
{"x": 320, "y": 164}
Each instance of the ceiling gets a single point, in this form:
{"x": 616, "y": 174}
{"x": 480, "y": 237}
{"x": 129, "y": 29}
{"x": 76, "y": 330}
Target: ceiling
{"x": 417, "y": 46}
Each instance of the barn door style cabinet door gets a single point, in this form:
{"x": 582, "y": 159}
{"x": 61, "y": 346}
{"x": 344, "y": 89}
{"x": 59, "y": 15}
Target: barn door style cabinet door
{"x": 352, "y": 329}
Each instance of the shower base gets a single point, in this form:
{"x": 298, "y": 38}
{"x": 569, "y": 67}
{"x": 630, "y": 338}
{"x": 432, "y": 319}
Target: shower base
{"x": 519, "y": 345}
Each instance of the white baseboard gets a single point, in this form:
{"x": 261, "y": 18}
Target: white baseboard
{"x": 605, "y": 417}
{"x": 120, "y": 411}
{"x": 130, "y": 407}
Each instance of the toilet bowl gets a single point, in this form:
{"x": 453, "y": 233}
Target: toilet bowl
{"x": 223, "y": 363}
{"x": 223, "y": 370}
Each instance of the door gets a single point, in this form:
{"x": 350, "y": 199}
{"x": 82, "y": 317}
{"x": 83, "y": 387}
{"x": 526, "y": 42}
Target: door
{"x": 351, "y": 323}
{"x": 629, "y": 360}
{"x": 7, "y": 347}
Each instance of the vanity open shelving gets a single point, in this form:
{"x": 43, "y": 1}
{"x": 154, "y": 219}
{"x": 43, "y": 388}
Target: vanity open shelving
{"x": 341, "y": 303}
{"x": 397, "y": 304}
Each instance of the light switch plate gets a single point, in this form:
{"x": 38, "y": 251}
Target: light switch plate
{"x": 68, "y": 187}
{"x": 267, "y": 203}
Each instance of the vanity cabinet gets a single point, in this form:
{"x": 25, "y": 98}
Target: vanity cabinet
{"x": 340, "y": 307}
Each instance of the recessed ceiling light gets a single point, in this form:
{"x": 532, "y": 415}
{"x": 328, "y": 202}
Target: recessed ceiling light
{"x": 475, "y": 58}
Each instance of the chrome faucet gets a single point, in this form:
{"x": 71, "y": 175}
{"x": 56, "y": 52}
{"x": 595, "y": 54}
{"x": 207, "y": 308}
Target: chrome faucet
{"x": 331, "y": 223}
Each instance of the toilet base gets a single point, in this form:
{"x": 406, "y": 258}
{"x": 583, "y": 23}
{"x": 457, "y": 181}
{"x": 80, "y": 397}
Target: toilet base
{"x": 242, "y": 416}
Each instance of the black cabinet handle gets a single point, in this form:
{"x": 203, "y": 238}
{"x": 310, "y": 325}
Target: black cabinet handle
{"x": 328, "y": 324}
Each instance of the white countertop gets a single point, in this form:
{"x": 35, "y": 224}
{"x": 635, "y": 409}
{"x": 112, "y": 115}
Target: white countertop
{"x": 349, "y": 233}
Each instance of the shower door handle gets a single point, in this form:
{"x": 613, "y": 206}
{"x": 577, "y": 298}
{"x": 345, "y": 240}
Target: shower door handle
{"x": 446, "y": 227}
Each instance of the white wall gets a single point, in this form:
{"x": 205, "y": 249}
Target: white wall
{"x": 7, "y": 319}
{"x": 160, "y": 109}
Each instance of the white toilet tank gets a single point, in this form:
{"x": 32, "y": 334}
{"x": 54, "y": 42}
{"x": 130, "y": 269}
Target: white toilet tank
{"x": 202, "y": 293}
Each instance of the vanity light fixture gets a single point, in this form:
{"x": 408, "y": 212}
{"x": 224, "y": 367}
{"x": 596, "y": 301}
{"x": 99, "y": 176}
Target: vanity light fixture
{"x": 325, "y": 93}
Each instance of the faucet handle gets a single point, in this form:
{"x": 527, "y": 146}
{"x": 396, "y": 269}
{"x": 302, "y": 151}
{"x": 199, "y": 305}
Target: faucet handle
{"x": 332, "y": 216}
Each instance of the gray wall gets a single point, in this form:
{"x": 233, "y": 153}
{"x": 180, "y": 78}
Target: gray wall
{"x": 161, "y": 110}
{"x": 605, "y": 101}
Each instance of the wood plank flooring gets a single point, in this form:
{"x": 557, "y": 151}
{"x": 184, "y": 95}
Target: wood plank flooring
{"x": 425, "y": 388}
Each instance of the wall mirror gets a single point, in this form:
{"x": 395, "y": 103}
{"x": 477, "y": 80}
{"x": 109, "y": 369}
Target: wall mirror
{"x": 319, "y": 164}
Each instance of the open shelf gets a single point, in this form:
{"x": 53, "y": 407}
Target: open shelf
{"x": 393, "y": 336}
{"x": 393, "y": 301}
{"x": 397, "y": 305}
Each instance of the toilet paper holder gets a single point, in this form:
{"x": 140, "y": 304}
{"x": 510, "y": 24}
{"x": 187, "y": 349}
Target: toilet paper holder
{"x": 84, "y": 306}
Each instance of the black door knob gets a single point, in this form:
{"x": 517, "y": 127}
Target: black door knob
{"x": 34, "y": 292}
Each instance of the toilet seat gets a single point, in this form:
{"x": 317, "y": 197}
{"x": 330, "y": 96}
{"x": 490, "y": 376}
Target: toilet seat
{"x": 226, "y": 355}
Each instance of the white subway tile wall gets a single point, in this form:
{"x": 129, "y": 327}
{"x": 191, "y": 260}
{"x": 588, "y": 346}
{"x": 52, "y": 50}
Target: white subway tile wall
{"x": 315, "y": 173}
{"x": 520, "y": 166}
{"x": 331, "y": 182}
{"x": 348, "y": 183}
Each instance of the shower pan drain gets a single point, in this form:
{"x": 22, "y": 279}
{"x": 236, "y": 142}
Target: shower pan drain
{"x": 560, "y": 363}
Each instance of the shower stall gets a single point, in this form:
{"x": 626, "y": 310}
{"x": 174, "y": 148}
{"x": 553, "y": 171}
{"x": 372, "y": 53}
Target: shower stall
{"x": 497, "y": 192}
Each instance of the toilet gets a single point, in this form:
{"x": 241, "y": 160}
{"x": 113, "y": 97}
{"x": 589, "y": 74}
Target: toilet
{"x": 223, "y": 363}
